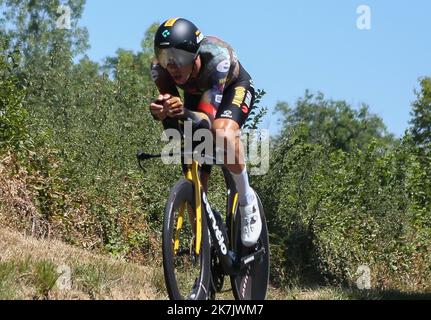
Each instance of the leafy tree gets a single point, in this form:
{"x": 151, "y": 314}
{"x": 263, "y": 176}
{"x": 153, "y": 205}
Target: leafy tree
{"x": 334, "y": 122}
{"x": 420, "y": 139}
{"x": 13, "y": 116}
{"x": 421, "y": 121}
{"x": 127, "y": 64}
{"x": 33, "y": 25}
{"x": 47, "y": 52}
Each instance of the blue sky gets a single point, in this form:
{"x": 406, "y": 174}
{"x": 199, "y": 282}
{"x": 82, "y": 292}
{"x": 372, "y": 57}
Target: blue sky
{"x": 291, "y": 46}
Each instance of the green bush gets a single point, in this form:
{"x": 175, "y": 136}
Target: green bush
{"x": 333, "y": 211}
{"x": 13, "y": 115}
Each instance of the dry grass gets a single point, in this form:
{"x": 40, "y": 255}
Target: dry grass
{"x": 28, "y": 270}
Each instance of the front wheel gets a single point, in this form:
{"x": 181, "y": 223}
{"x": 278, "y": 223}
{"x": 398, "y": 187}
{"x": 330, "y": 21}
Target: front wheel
{"x": 252, "y": 282}
{"x": 187, "y": 275}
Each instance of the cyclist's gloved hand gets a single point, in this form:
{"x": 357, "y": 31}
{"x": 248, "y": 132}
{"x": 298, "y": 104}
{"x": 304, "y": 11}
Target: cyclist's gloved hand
{"x": 174, "y": 106}
{"x": 157, "y": 109}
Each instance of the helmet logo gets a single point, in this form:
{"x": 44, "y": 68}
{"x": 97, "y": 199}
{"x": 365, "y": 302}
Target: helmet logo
{"x": 171, "y": 22}
{"x": 166, "y": 33}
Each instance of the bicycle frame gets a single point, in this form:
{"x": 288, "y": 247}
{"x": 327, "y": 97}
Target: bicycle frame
{"x": 217, "y": 229}
{"x": 232, "y": 264}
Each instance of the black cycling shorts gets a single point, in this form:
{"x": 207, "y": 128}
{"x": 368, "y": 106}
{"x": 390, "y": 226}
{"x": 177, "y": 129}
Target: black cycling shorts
{"x": 237, "y": 102}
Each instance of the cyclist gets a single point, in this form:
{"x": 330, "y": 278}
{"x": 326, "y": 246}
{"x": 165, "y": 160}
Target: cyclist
{"x": 216, "y": 89}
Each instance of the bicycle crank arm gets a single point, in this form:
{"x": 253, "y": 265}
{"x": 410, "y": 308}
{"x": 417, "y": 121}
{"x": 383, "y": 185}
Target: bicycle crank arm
{"x": 245, "y": 261}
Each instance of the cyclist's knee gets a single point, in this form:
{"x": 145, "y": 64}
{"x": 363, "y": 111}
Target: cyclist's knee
{"x": 225, "y": 130}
